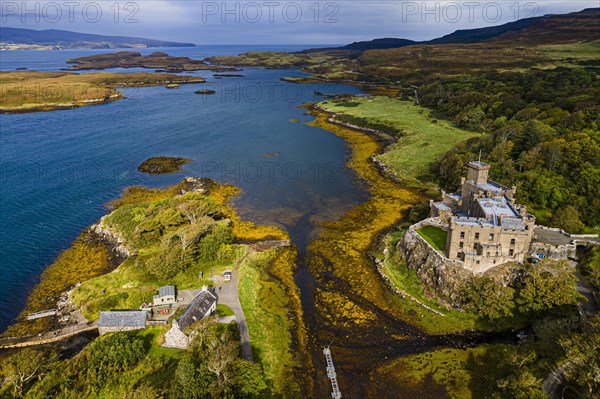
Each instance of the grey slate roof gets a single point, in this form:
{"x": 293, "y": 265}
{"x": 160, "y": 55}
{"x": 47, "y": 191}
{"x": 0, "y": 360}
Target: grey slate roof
{"x": 512, "y": 224}
{"x": 135, "y": 318}
{"x": 166, "y": 290}
{"x": 470, "y": 221}
{"x": 496, "y": 206}
{"x": 441, "y": 206}
{"x": 197, "y": 309}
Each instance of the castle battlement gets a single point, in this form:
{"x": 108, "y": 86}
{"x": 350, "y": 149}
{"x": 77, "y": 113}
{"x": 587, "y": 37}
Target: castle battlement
{"x": 486, "y": 227}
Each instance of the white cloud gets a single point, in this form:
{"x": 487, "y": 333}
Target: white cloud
{"x": 234, "y": 22}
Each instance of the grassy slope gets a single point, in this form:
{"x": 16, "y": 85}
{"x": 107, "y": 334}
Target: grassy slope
{"x": 425, "y": 138}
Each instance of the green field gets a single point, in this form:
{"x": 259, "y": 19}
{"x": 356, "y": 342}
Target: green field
{"x": 423, "y": 139}
{"x": 266, "y": 306}
{"x": 435, "y": 236}
{"x": 572, "y": 51}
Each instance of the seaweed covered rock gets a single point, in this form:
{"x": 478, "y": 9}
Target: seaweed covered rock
{"x": 162, "y": 165}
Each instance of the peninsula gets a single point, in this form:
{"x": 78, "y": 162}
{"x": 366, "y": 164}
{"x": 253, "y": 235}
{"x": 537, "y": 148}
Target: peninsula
{"x": 24, "y": 91}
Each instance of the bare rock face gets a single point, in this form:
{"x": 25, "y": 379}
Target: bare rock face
{"x": 111, "y": 238}
{"x": 440, "y": 277}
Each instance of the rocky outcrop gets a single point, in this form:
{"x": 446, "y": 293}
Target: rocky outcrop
{"x": 113, "y": 240}
{"x": 440, "y": 277}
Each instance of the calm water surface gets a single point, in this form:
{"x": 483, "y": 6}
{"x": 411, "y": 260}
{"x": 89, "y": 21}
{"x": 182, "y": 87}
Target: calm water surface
{"x": 58, "y": 169}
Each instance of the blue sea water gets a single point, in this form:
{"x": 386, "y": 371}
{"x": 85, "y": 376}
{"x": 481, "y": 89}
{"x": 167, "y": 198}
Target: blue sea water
{"x": 59, "y": 169}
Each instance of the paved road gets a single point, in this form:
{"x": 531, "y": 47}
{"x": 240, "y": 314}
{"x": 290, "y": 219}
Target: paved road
{"x": 228, "y": 295}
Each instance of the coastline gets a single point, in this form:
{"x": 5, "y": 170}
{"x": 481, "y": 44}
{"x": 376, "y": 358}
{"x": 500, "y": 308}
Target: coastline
{"x": 26, "y": 91}
{"x": 107, "y": 256}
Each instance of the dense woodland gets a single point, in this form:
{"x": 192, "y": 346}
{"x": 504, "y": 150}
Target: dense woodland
{"x": 542, "y": 134}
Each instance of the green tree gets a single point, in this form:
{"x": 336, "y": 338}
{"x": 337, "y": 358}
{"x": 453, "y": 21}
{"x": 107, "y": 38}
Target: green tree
{"x": 488, "y": 299}
{"x": 590, "y": 266}
{"x": 23, "y": 366}
{"x": 250, "y": 379}
{"x": 520, "y": 383}
{"x": 546, "y": 285}
{"x": 567, "y": 218}
{"x": 582, "y": 351}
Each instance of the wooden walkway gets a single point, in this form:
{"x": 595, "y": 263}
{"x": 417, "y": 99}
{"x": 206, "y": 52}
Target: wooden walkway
{"x": 335, "y": 388}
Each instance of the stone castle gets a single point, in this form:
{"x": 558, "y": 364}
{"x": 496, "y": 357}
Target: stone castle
{"x": 486, "y": 227}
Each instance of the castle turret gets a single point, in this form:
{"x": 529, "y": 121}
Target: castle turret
{"x": 478, "y": 172}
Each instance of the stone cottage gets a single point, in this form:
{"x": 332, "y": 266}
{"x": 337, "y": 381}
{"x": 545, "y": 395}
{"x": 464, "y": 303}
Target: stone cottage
{"x": 121, "y": 321}
{"x": 203, "y": 305}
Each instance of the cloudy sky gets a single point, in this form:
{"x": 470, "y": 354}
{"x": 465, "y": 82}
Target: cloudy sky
{"x": 274, "y": 22}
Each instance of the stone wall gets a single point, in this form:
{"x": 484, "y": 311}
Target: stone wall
{"x": 441, "y": 278}
{"x": 175, "y": 338}
{"x": 555, "y": 252}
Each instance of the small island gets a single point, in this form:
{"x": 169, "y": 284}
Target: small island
{"x": 162, "y": 165}
{"x": 133, "y": 59}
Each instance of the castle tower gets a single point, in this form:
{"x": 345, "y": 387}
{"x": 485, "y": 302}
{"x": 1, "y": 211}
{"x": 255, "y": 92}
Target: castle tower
{"x": 478, "y": 172}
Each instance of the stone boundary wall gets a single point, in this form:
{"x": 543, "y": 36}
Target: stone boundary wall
{"x": 554, "y": 252}
{"x": 432, "y": 251}
{"x": 398, "y": 291}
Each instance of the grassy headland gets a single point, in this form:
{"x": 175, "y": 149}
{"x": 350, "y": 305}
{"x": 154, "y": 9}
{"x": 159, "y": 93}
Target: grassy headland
{"x": 421, "y": 139}
{"x": 32, "y": 91}
{"x": 181, "y": 235}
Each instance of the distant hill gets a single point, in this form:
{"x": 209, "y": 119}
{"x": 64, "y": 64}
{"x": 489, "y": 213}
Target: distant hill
{"x": 378, "y": 44}
{"x": 578, "y": 26}
{"x": 68, "y": 39}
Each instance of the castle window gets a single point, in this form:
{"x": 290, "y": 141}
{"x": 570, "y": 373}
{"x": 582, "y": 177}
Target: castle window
{"x": 477, "y": 262}
{"x": 475, "y": 246}
{"x": 477, "y": 236}
{"x": 461, "y": 244}
{"x": 462, "y": 234}
{"x": 488, "y": 254}
{"x": 512, "y": 242}
{"x": 491, "y": 236}
{"x": 511, "y": 252}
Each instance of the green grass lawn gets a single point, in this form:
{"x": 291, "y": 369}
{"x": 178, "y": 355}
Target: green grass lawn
{"x": 424, "y": 138}
{"x": 224, "y": 310}
{"x": 266, "y": 307}
{"x": 434, "y": 236}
